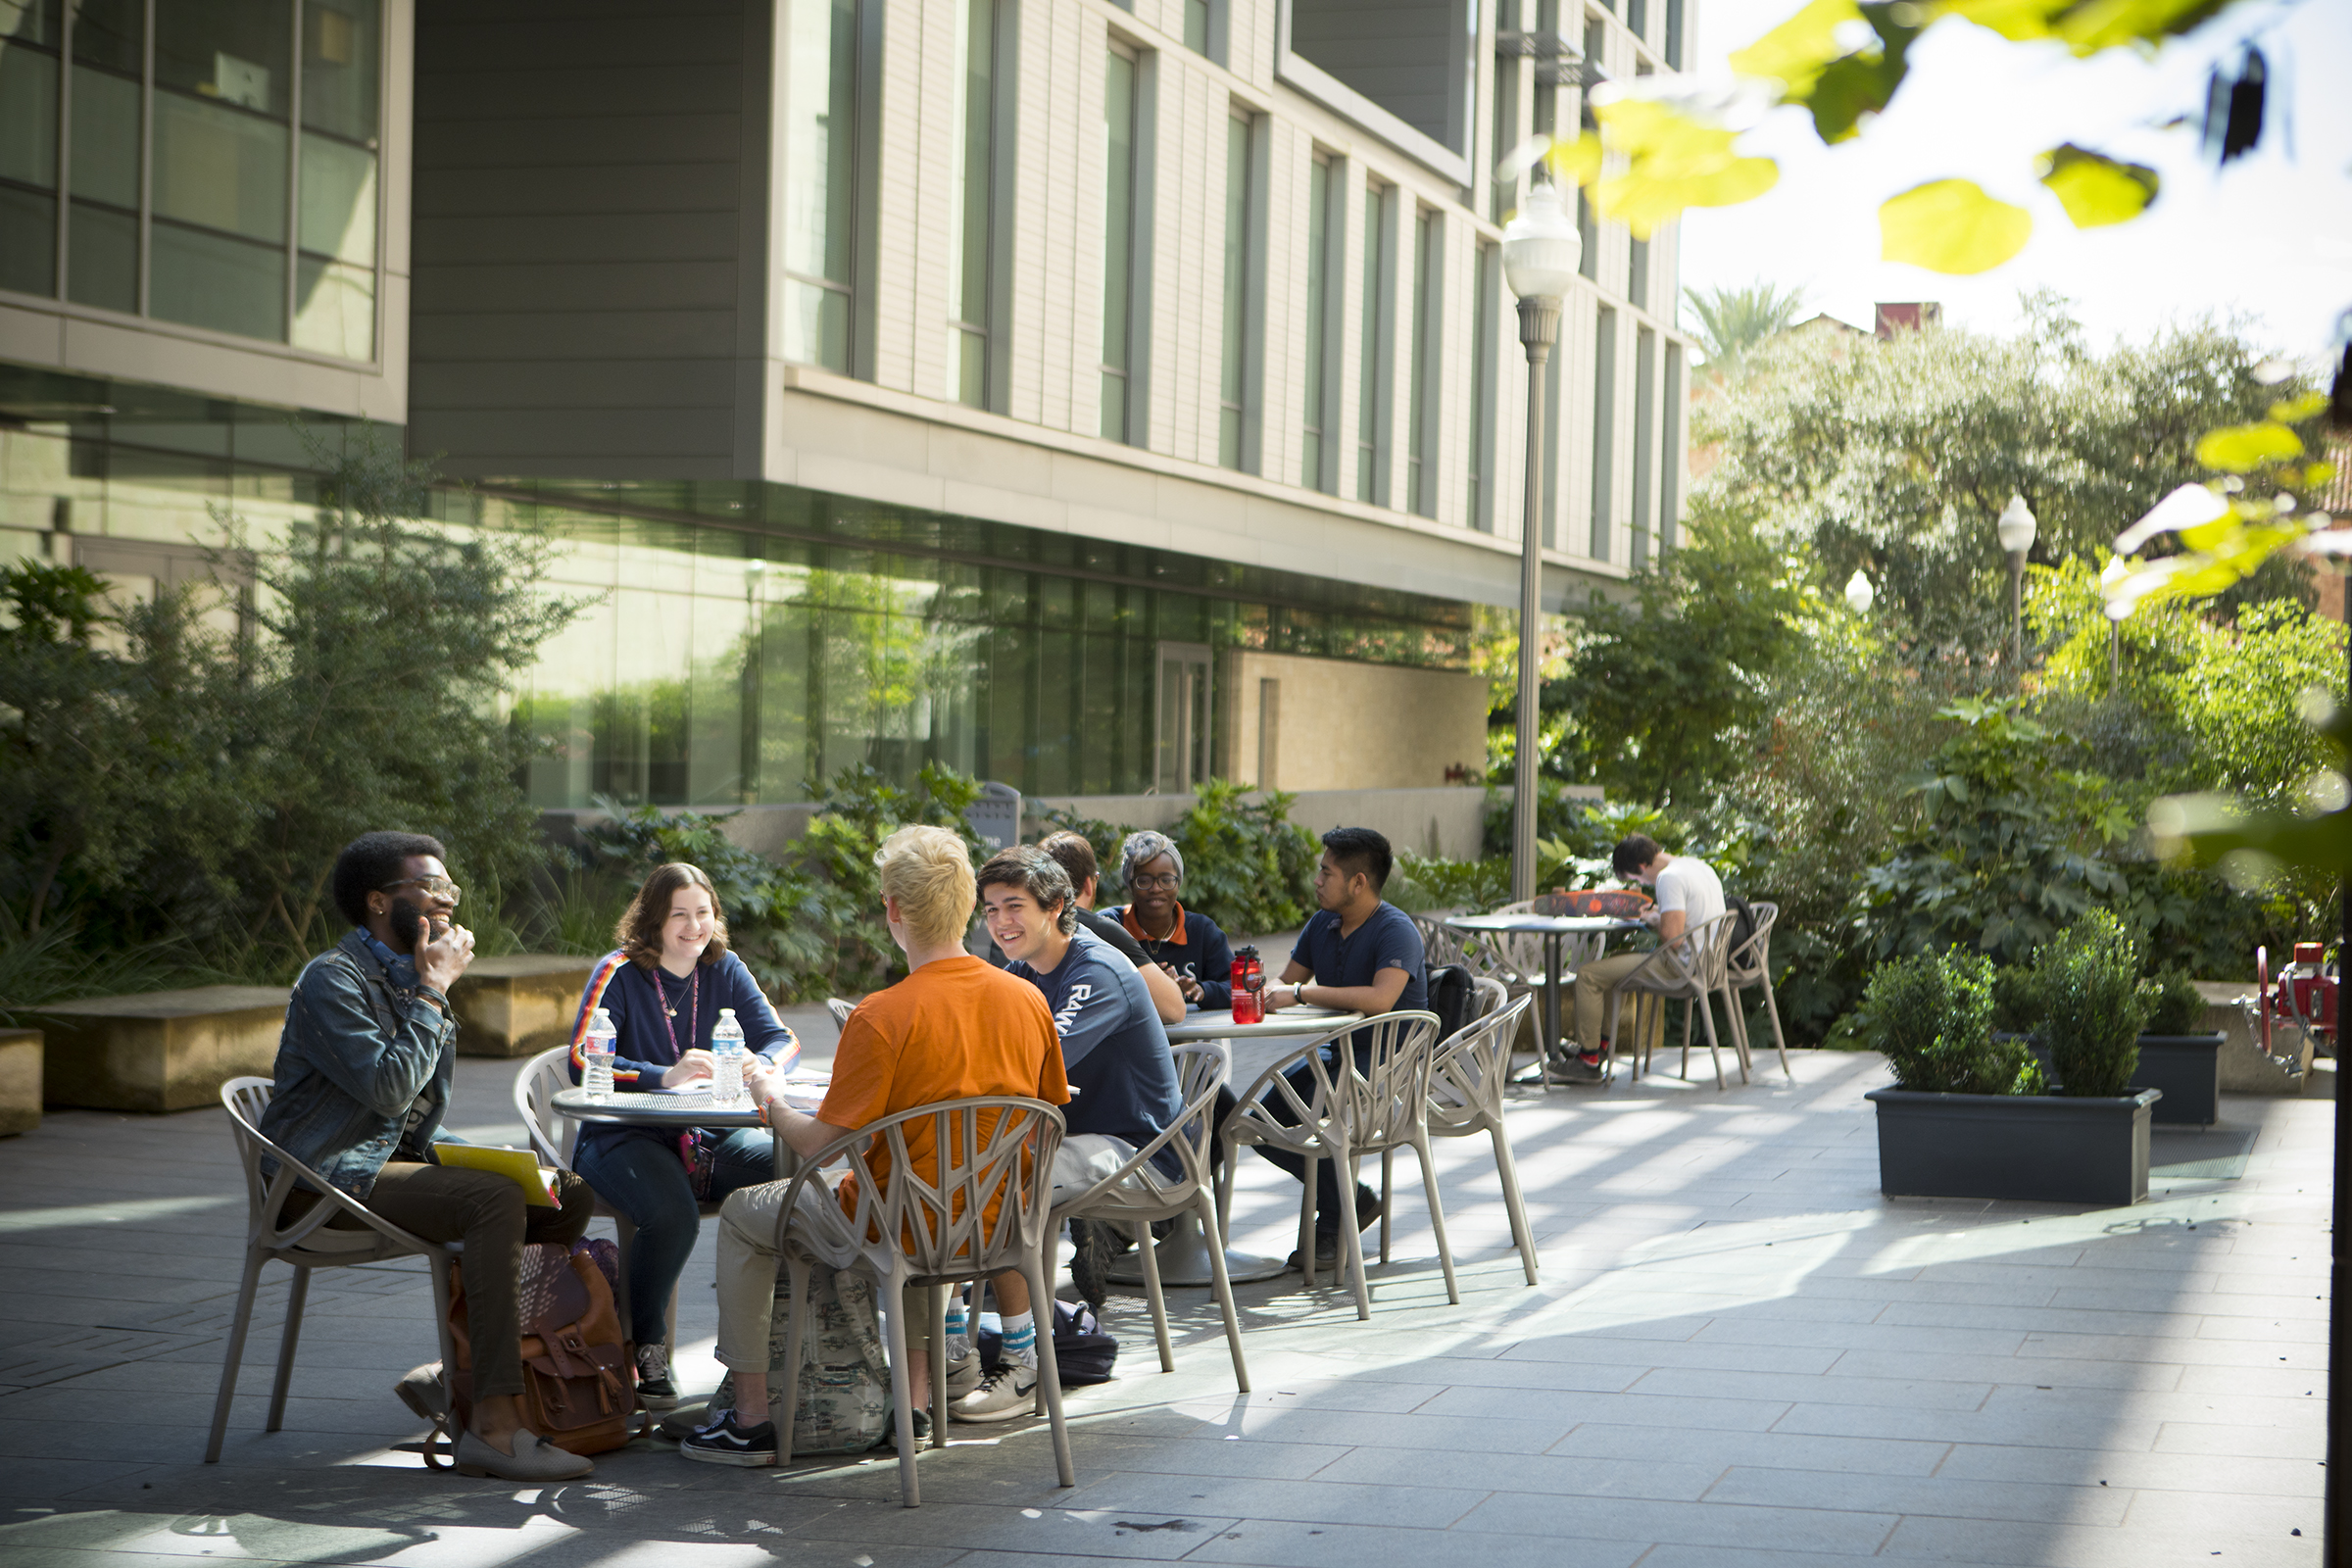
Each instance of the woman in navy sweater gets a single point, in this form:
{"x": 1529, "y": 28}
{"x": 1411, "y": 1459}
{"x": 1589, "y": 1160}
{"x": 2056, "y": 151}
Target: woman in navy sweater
{"x": 665, "y": 987}
{"x": 1189, "y": 945}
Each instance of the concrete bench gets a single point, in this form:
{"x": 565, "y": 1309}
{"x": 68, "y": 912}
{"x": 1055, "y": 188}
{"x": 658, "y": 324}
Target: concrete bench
{"x": 163, "y": 1051}
{"x": 519, "y": 1005}
{"x": 19, "y": 1081}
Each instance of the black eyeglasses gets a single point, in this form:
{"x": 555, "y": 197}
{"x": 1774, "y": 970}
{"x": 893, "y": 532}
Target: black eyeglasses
{"x": 1167, "y": 881}
{"x": 436, "y": 887}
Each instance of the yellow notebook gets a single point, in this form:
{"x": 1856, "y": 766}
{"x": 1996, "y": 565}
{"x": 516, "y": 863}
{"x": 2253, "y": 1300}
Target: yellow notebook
{"x": 517, "y": 1165}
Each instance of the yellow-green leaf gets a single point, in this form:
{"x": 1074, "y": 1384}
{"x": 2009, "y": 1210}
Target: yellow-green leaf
{"x": 1798, "y": 50}
{"x": 2244, "y": 447}
{"x": 1672, "y": 162}
{"x": 2086, "y": 25}
{"x": 2094, "y": 189}
{"x": 2309, "y": 406}
{"x": 1950, "y": 225}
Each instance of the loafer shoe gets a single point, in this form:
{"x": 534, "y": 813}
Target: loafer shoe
{"x": 534, "y": 1459}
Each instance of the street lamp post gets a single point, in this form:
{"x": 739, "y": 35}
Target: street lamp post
{"x": 1859, "y": 594}
{"x": 1541, "y": 248}
{"x": 2016, "y": 529}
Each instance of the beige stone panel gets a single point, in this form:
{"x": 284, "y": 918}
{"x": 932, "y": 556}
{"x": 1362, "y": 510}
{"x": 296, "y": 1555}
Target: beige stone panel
{"x": 19, "y": 1081}
{"x": 1342, "y": 725}
{"x": 162, "y": 1050}
{"x": 519, "y": 1005}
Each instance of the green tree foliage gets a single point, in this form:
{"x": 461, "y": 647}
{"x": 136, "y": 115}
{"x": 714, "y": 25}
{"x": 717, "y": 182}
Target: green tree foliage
{"x": 1896, "y": 458}
{"x": 1660, "y": 693}
{"x": 1732, "y": 323}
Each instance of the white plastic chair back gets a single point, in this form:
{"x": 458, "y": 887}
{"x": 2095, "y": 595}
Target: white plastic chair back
{"x": 1381, "y": 1102}
{"x": 1468, "y": 1073}
{"x": 840, "y": 1010}
{"x": 1750, "y": 962}
{"x": 1489, "y": 997}
{"x": 554, "y": 1134}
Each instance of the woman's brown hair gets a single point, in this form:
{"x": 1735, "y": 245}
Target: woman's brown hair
{"x": 639, "y": 933}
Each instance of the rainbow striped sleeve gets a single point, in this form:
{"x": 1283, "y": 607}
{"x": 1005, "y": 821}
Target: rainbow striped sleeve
{"x": 590, "y": 999}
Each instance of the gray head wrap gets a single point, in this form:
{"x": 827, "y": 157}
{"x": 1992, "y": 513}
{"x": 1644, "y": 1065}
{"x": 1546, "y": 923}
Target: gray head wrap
{"x": 1140, "y": 849}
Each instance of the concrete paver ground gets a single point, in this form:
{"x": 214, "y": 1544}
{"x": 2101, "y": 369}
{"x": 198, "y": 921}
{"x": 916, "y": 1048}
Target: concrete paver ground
{"x": 1740, "y": 1353}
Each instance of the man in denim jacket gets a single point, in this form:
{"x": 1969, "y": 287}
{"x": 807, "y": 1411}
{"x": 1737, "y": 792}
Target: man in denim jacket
{"x": 364, "y": 1073}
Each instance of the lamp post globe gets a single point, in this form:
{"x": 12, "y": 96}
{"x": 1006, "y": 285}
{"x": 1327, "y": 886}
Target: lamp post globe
{"x": 1859, "y": 594}
{"x": 2015, "y": 527}
{"x": 1541, "y": 249}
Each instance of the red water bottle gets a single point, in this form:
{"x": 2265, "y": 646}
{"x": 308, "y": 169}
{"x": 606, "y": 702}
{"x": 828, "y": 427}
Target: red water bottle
{"x": 1248, "y": 988}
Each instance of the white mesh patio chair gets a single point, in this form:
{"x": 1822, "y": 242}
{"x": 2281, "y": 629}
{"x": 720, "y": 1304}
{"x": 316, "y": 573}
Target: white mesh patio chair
{"x": 929, "y": 1227}
{"x": 1689, "y": 969}
{"x": 1349, "y": 1109}
{"x": 1140, "y": 1194}
{"x": 1467, "y": 1079}
{"x": 840, "y": 1010}
{"x": 1749, "y": 963}
{"x": 303, "y": 1243}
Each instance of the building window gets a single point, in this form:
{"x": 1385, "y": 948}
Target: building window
{"x": 971, "y": 252}
{"x": 1645, "y": 422}
{"x": 1670, "y": 453}
{"x": 1378, "y": 351}
{"x": 1233, "y": 380}
{"x": 1318, "y": 461}
{"x": 1421, "y": 435}
{"x": 1673, "y": 34}
{"x": 1502, "y": 195}
{"x": 1485, "y": 283}
{"x": 1587, "y": 221}
{"x": 1636, "y": 17}
{"x": 1604, "y": 431}
{"x": 820, "y": 220}
{"x": 1121, "y": 73}
{"x": 1205, "y": 29}
{"x": 1637, "y": 273}
{"x": 221, "y": 173}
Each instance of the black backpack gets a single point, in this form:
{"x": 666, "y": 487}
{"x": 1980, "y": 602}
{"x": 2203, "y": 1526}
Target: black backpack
{"x": 1450, "y": 995}
{"x": 1743, "y": 921}
{"x": 1081, "y": 1351}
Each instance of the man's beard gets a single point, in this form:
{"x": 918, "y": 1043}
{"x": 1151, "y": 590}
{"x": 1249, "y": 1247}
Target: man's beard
{"x": 404, "y": 915}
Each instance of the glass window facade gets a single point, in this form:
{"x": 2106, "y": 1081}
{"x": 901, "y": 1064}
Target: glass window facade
{"x": 1120, "y": 73}
{"x": 1485, "y": 281}
{"x": 1645, "y": 427}
{"x": 1232, "y": 373}
{"x": 235, "y": 219}
{"x": 820, "y": 220}
{"x": 1371, "y": 431}
{"x": 973, "y": 170}
{"x": 1604, "y": 432}
{"x": 747, "y": 641}
{"x": 1317, "y": 469}
{"x": 1421, "y": 439}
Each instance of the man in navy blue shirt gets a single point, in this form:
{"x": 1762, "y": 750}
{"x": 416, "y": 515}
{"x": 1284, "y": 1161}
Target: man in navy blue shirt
{"x": 1114, "y": 1049}
{"x": 1359, "y": 953}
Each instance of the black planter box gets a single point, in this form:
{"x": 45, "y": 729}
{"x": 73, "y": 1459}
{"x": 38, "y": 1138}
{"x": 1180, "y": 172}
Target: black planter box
{"x": 2188, "y": 1069}
{"x": 2041, "y": 1146}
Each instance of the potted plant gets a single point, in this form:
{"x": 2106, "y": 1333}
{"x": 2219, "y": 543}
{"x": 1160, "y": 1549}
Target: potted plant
{"x": 1971, "y": 1116}
{"x": 2177, "y": 1055}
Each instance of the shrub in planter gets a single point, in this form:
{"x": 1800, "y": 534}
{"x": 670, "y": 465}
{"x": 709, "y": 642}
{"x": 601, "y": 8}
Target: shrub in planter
{"x": 2175, "y": 1004}
{"x": 1933, "y": 1017}
{"x": 2092, "y": 1009}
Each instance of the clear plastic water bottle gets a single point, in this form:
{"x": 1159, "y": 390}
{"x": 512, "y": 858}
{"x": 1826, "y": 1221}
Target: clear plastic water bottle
{"x": 726, "y": 1044}
{"x": 596, "y": 1056}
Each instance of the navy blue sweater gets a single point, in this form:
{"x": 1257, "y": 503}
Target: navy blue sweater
{"x": 649, "y": 1042}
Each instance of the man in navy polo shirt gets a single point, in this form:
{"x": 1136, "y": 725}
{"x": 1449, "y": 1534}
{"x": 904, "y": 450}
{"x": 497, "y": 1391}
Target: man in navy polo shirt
{"x": 1359, "y": 953}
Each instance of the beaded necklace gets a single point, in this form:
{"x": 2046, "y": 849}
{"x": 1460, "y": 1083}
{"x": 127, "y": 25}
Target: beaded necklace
{"x": 694, "y": 1007}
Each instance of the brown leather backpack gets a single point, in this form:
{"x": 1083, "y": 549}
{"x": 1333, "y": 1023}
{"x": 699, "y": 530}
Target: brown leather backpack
{"x": 577, "y": 1388}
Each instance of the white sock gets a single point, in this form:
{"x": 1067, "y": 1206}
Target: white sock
{"x": 1020, "y": 1339}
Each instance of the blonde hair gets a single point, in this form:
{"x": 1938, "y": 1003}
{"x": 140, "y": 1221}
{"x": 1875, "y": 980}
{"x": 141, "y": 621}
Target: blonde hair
{"x": 928, "y": 870}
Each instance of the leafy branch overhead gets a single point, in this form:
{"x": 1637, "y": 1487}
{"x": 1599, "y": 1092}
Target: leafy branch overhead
{"x": 1658, "y": 145}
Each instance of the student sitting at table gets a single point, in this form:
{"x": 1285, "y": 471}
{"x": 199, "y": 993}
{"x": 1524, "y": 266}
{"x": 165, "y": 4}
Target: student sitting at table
{"x": 363, "y": 1078}
{"x": 1113, "y": 1047}
{"x": 956, "y": 1028}
{"x": 1359, "y": 953}
{"x": 1189, "y": 945}
{"x": 1689, "y": 894}
{"x": 1077, "y": 858}
{"x": 665, "y": 985}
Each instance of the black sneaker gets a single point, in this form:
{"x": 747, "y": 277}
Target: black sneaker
{"x": 890, "y": 1433}
{"x": 1092, "y": 1251}
{"x": 1327, "y": 1253}
{"x": 1571, "y": 1068}
{"x": 655, "y": 1391}
{"x": 725, "y": 1443}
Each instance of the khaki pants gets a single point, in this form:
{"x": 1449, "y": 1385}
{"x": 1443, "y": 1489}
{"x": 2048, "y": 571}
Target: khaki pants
{"x": 1593, "y": 983}
{"x": 748, "y": 1262}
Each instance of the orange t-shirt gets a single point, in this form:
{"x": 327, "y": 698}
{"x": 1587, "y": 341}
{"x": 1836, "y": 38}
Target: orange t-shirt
{"x": 954, "y": 1029}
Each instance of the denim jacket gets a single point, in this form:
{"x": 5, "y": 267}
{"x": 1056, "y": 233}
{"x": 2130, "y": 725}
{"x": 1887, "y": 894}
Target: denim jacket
{"x": 355, "y": 1053}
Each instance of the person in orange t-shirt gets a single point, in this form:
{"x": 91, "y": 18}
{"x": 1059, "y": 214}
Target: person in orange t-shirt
{"x": 956, "y": 1028}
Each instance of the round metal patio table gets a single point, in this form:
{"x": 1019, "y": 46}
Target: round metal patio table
{"x": 1552, "y": 928}
{"x": 690, "y": 1108}
{"x": 1184, "y": 1254}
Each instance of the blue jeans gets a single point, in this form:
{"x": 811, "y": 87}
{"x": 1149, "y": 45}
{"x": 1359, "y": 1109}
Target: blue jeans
{"x": 640, "y": 1175}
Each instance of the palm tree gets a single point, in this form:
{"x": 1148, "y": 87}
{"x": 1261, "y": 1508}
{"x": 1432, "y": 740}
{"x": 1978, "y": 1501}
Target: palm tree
{"x": 1729, "y": 323}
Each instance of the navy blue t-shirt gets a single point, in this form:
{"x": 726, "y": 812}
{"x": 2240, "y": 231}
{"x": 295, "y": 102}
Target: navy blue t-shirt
{"x": 1113, "y": 1047}
{"x": 1387, "y": 940}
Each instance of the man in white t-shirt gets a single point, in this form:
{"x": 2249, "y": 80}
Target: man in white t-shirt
{"x": 1689, "y": 894}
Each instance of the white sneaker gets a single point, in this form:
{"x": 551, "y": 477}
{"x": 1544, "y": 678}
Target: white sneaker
{"x": 1005, "y": 1394}
{"x": 963, "y": 1375}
